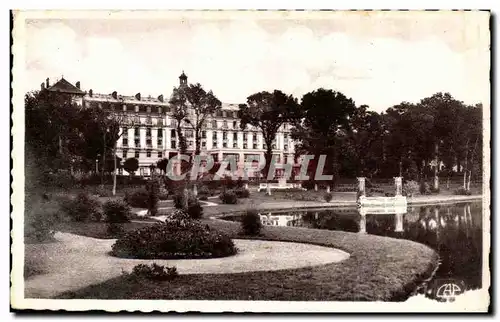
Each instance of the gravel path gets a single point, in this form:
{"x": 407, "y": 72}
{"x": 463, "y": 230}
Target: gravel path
{"x": 76, "y": 261}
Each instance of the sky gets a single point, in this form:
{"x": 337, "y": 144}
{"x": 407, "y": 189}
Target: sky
{"x": 378, "y": 59}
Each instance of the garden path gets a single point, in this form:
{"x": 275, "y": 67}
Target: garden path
{"x": 74, "y": 262}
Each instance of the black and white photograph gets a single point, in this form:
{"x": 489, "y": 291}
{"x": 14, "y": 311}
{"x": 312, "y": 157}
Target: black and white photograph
{"x": 251, "y": 161}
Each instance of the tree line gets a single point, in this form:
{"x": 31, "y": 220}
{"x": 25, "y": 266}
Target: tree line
{"x": 408, "y": 139}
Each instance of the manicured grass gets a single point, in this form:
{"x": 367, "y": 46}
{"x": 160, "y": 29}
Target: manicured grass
{"x": 379, "y": 268}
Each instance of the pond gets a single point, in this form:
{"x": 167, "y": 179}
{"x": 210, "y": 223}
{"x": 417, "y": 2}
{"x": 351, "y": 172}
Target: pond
{"x": 453, "y": 231}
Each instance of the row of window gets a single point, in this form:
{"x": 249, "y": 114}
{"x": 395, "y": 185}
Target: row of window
{"x": 173, "y": 144}
{"x": 137, "y": 152}
{"x": 137, "y": 132}
{"x": 128, "y": 107}
{"x": 137, "y": 142}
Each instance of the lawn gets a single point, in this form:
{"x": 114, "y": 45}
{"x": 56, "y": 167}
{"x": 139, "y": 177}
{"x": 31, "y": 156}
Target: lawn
{"x": 379, "y": 268}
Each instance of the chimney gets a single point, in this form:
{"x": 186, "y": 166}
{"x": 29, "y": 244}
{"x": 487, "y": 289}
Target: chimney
{"x": 114, "y": 94}
{"x": 47, "y": 83}
{"x": 160, "y": 98}
{"x": 90, "y": 92}
{"x": 42, "y": 86}
{"x": 78, "y": 84}
{"x": 138, "y": 96}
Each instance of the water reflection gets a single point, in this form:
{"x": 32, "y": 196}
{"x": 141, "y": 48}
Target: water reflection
{"x": 454, "y": 231}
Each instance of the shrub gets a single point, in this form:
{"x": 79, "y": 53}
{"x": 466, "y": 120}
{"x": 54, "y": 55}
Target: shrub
{"x": 195, "y": 210}
{"x": 82, "y": 208}
{"x": 462, "y": 191}
{"x": 40, "y": 220}
{"x": 103, "y": 192}
{"x": 424, "y": 189}
{"x": 116, "y": 211}
{"x": 203, "y": 197}
{"x": 155, "y": 272}
{"x": 115, "y": 230}
{"x": 178, "y": 238}
{"x": 328, "y": 197}
{"x": 163, "y": 196}
{"x": 228, "y": 183}
{"x": 61, "y": 179}
{"x": 434, "y": 190}
{"x": 203, "y": 191}
{"x": 300, "y": 196}
{"x": 347, "y": 189}
{"x": 250, "y": 223}
{"x": 228, "y": 197}
{"x": 178, "y": 217}
{"x": 242, "y": 192}
{"x": 153, "y": 189}
{"x": 309, "y": 184}
{"x": 410, "y": 188}
{"x": 240, "y": 183}
{"x": 178, "y": 200}
{"x": 138, "y": 198}
{"x": 288, "y": 190}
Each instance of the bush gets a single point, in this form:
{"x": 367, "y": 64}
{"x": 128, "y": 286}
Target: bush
{"x": 347, "y": 189}
{"x": 410, "y": 188}
{"x": 40, "y": 220}
{"x": 328, "y": 197}
{"x": 61, "y": 179}
{"x": 153, "y": 189}
{"x": 203, "y": 191}
{"x": 155, "y": 272}
{"x": 138, "y": 198}
{"x": 309, "y": 184}
{"x": 179, "y": 199}
{"x": 229, "y": 183}
{"x": 424, "y": 189}
{"x": 163, "y": 196}
{"x": 116, "y": 211}
{"x": 82, "y": 208}
{"x": 195, "y": 210}
{"x": 115, "y": 230}
{"x": 228, "y": 197}
{"x": 434, "y": 190}
{"x": 250, "y": 223}
{"x": 463, "y": 192}
{"x": 103, "y": 192}
{"x": 203, "y": 197}
{"x": 174, "y": 239}
{"x": 242, "y": 193}
{"x": 301, "y": 196}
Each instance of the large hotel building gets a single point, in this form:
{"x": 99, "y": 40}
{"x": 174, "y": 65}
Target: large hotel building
{"x": 150, "y": 130}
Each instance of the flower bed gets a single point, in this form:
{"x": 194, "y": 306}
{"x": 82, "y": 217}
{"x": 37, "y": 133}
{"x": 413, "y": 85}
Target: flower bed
{"x": 179, "y": 238}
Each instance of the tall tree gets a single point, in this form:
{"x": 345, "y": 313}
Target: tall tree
{"x": 178, "y": 103}
{"x": 268, "y": 112}
{"x": 202, "y": 104}
{"x": 325, "y": 123}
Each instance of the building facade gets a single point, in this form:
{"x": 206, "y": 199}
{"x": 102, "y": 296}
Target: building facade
{"x": 148, "y": 130}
